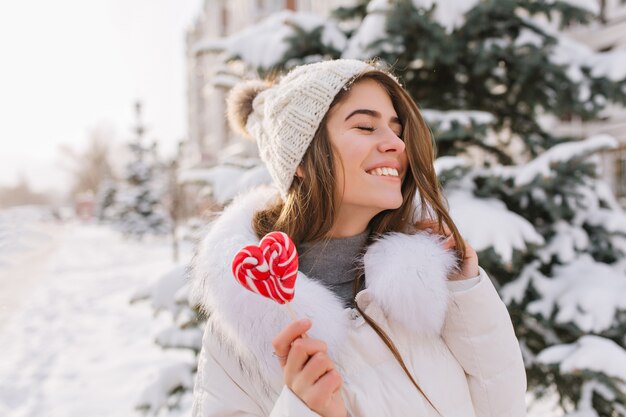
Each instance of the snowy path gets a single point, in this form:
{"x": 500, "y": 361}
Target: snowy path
{"x": 71, "y": 344}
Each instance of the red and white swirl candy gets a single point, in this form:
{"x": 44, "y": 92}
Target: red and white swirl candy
{"x": 269, "y": 269}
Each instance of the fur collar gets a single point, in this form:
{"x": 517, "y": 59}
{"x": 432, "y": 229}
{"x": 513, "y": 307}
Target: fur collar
{"x": 405, "y": 277}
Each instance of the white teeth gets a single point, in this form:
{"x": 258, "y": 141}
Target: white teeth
{"x": 391, "y": 172}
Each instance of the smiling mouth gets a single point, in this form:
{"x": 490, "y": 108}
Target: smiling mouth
{"x": 384, "y": 172}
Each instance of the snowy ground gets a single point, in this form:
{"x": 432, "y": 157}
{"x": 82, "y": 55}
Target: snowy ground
{"x": 71, "y": 343}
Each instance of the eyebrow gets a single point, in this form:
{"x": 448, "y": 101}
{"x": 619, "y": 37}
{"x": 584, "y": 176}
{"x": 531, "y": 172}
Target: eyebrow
{"x": 372, "y": 113}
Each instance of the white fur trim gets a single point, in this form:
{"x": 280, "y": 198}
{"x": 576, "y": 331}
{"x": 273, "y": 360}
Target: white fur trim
{"x": 405, "y": 275}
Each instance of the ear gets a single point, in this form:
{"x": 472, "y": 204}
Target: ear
{"x": 299, "y": 172}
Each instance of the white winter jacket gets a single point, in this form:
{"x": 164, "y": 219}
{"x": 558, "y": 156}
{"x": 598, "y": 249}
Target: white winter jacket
{"x": 458, "y": 344}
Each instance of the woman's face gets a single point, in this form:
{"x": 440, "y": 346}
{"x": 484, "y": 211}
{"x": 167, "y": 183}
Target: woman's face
{"x": 365, "y": 131}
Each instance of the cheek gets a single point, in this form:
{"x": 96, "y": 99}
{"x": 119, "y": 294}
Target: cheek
{"x": 352, "y": 153}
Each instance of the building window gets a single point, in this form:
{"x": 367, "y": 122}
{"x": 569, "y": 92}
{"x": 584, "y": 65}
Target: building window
{"x": 620, "y": 173}
{"x": 290, "y": 5}
{"x": 224, "y": 21}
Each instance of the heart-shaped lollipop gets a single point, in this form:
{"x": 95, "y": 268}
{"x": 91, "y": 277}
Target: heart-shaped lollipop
{"x": 269, "y": 269}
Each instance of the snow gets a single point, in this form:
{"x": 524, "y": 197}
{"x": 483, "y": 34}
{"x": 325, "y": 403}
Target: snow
{"x": 568, "y": 241}
{"x": 225, "y": 81}
{"x": 448, "y": 163}
{"x": 227, "y": 180}
{"x": 174, "y": 337}
{"x": 529, "y": 37}
{"x": 445, "y": 119}
{"x": 516, "y": 290}
{"x": 575, "y": 55}
{"x": 15, "y": 234}
{"x": 593, "y": 353}
{"x": 174, "y": 376}
{"x": 486, "y": 223}
{"x": 584, "y": 292}
{"x": 25, "y": 241}
{"x": 372, "y": 29}
{"x": 614, "y": 221}
{"x": 77, "y": 347}
{"x": 448, "y": 13}
{"x": 265, "y": 44}
{"x": 542, "y": 165}
{"x": 162, "y": 292}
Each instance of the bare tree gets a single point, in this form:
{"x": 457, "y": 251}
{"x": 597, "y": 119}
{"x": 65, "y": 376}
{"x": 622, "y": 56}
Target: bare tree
{"x": 89, "y": 166}
{"x": 21, "y": 194}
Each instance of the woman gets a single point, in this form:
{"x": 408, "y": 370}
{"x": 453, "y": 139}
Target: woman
{"x": 399, "y": 319}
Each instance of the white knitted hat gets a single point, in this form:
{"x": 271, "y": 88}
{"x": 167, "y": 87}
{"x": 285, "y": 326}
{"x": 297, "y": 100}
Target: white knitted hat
{"x": 284, "y": 117}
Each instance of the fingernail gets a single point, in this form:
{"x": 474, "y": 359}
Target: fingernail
{"x": 305, "y": 322}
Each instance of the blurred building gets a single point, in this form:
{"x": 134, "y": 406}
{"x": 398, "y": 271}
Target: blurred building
{"x": 207, "y": 79}
{"x": 608, "y": 34}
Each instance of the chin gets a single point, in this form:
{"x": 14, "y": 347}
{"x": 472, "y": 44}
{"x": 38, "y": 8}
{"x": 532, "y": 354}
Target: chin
{"x": 391, "y": 203}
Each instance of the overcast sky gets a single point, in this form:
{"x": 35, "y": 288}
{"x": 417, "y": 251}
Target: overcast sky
{"x": 68, "y": 66}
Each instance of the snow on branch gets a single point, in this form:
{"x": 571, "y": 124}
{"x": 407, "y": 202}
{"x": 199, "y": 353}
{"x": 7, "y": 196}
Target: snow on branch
{"x": 448, "y": 163}
{"x": 614, "y": 221}
{"x": 265, "y": 44}
{"x": 450, "y": 14}
{"x": 576, "y": 55}
{"x": 542, "y": 165}
{"x": 169, "y": 380}
{"x": 372, "y": 29}
{"x": 593, "y": 353}
{"x": 486, "y": 223}
{"x": 584, "y": 292}
{"x": 567, "y": 241}
{"x": 162, "y": 292}
{"x": 445, "y": 119}
{"x": 227, "y": 181}
{"x": 177, "y": 338}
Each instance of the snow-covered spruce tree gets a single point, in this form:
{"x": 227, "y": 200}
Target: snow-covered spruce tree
{"x": 105, "y": 200}
{"x": 494, "y": 78}
{"x": 138, "y": 209}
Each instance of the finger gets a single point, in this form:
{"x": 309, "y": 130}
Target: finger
{"x": 282, "y": 342}
{"x": 315, "y": 367}
{"x": 427, "y": 224}
{"x": 470, "y": 252}
{"x": 432, "y": 225}
{"x": 323, "y": 390}
{"x": 299, "y": 355}
{"x": 449, "y": 242}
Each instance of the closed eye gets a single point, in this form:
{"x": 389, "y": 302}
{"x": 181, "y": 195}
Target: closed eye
{"x": 366, "y": 128}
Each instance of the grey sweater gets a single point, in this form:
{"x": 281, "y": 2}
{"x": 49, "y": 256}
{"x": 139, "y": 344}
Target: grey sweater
{"x": 333, "y": 262}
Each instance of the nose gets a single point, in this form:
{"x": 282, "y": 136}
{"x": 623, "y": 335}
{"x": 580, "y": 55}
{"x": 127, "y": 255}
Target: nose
{"x": 390, "y": 142}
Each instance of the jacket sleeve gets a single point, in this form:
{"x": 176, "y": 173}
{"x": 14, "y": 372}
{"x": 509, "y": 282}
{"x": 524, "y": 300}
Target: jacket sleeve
{"x": 217, "y": 393}
{"x": 479, "y": 333}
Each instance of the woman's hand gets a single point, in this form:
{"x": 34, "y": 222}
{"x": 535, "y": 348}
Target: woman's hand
{"x": 468, "y": 266}
{"x": 308, "y": 371}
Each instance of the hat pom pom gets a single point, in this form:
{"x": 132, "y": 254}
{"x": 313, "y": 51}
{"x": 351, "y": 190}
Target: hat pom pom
{"x": 239, "y": 104}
